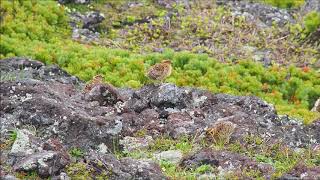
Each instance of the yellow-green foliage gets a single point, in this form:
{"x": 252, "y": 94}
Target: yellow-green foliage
{"x": 39, "y": 30}
{"x": 312, "y": 21}
{"x": 79, "y": 171}
{"x": 284, "y": 3}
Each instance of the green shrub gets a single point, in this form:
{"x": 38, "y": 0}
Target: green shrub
{"x": 76, "y": 152}
{"x": 284, "y": 3}
{"x": 312, "y": 21}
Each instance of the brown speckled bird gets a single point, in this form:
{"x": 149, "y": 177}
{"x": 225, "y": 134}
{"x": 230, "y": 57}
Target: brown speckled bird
{"x": 96, "y": 80}
{"x": 160, "y": 71}
{"x": 221, "y": 131}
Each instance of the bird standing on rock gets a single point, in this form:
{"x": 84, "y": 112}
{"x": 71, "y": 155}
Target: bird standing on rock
{"x": 160, "y": 71}
{"x": 98, "y": 79}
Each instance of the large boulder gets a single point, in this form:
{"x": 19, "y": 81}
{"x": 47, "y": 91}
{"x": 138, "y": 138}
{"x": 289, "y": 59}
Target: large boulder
{"x": 49, "y": 99}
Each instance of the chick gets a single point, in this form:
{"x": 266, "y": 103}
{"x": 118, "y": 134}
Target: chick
{"x": 96, "y": 80}
{"x": 160, "y": 71}
{"x": 221, "y": 131}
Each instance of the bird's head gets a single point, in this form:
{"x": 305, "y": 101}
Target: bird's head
{"x": 166, "y": 62}
{"x": 99, "y": 76}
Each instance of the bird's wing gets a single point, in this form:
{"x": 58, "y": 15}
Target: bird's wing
{"x": 156, "y": 70}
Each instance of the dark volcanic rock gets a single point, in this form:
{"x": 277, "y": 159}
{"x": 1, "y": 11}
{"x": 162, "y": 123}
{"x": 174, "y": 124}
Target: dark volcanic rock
{"x": 167, "y": 3}
{"x": 44, "y": 163}
{"x": 92, "y": 20}
{"x": 266, "y": 14}
{"x": 74, "y": 1}
{"x": 311, "y": 5}
{"x": 85, "y": 26}
{"x": 52, "y": 101}
{"x": 85, "y": 35}
{"x": 144, "y": 169}
{"x": 227, "y": 161}
{"x": 303, "y": 172}
{"x": 106, "y": 162}
{"x": 104, "y": 94}
{"x": 126, "y": 168}
{"x": 49, "y": 99}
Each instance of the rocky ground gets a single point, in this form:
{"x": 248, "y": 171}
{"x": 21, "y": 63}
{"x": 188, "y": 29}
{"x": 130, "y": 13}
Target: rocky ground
{"x": 51, "y": 127}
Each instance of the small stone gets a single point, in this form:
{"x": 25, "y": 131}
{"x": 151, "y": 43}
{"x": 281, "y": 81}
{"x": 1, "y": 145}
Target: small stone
{"x": 22, "y": 144}
{"x": 45, "y": 163}
{"x": 103, "y": 148}
{"x": 61, "y": 176}
{"x": 316, "y": 107}
{"x": 9, "y": 177}
{"x": 135, "y": 143}
{"x": 207, "y": 176}
{"x": 173, "y": 156}
{"x": 143, "y": 169}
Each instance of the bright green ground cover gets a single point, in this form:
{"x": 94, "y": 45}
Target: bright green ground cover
{"x": 284, "y": 3}
{"x": 39, "y": 29}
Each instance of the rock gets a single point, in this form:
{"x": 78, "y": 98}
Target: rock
{"x": 207, "y": 176}
{"x": 167, "y": 3}
{"x": 303, "y": 172}
{"x": 173, "y": 156}
{"x": 9, "y": 177}
{"x": 85, "y": 35}
{"x": 126, "y": 168}
{"x": 316, "y": 107}
{"x": 92, "y": 20}
{"x": 164, "y": 96}
{"x": 169, "y": 96}
{"x": 288, "y": 177}
{"x": 51, "y": 100}
{"x": 56, "y": 145}
{"x": 20, "y": 63}
{"x": 74, "y": 1}
{"x": 102, "y": 148}
{"x": 105, "y": 95}
{"x": 87, "y": 30}
{"x": 144, "y": 169}
{"x": 228, "y": 161}
{"x": 46, "y": 163}
{"x": 105, "y": 163}
{"x": 61, "y": 176}
{"x": 310, "y": 5}
{"x": 266, "y": 14}
{"x": 22, "y": 144}
{"x": 131, "y": 144}
{"x": 180, "y": 124}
